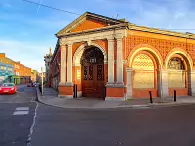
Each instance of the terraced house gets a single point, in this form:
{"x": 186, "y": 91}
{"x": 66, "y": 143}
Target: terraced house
{"x": 20, "y": 73}
{"x": 6, "y": 73}
{"x": 116, "y": 60}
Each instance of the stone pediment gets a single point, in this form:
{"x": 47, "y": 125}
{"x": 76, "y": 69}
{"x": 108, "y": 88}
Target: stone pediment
{"x": 89, "y": 21}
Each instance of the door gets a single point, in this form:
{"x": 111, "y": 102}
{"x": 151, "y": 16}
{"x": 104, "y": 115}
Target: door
{"x": 93, "y": 80}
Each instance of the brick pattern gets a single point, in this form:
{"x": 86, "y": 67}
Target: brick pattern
{"x": 162, "y": 45}
{"x": 142, "y": 61}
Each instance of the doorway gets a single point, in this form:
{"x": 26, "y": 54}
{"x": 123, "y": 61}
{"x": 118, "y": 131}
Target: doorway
{"x": 92, "y": 70}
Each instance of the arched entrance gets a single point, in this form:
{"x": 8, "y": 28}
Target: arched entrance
{"x": 92, "y": 72}
{"x": 178, "y": 74}
{"x": 145, "y": 75}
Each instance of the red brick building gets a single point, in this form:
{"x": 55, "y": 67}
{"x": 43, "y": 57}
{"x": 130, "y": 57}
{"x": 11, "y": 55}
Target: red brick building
{"x": 22, "y": 73}
{"x": 97, "y": 53}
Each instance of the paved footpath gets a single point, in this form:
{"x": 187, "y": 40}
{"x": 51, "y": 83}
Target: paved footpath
{"x": 50, "y": 98}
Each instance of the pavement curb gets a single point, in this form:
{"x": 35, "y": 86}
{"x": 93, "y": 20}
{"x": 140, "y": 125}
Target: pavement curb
{"x": 149, "y": 105}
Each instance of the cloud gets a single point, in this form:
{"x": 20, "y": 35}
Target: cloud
{"x": 160, "y": 14}
{"x": 31, "y": 55}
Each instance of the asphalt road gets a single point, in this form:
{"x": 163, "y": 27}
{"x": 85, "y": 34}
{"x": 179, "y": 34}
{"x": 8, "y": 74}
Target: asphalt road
{"x": 50, "y": 126}
{"x": 15, "y": 129}
{"x": 173, "y": 126}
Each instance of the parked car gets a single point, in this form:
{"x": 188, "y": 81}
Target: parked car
{"x": 8, "y": 88}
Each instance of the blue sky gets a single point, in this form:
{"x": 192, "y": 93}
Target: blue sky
{"x": 26, "y": 33}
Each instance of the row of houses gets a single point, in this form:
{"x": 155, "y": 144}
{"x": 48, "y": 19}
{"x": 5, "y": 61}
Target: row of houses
{"x": 15, "y": 72}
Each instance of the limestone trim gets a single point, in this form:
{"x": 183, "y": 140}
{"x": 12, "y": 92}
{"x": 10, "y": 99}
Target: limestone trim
{"x": 69, "y": 64}
{"x": 129, "y": 85}
{"x": 63, "y": 65}
{"x": 96, "y": 30}
{"x": 164, "y": 32}
{"x": 85, "y": 37}
{"x": 181, "y": 52}
{"x": 164, "y": 84}
{"x": 115, "y": 98}
{"x": 119, "y": 61}
{"x": 192, "y": 83}
{"x": 80, "y": 50}
{"x": 110, "y": 61}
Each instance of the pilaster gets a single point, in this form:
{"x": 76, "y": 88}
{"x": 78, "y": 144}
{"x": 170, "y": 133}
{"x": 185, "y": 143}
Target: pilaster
{"x": 191, "y": 84}
{"x": 110, "y": 61}
{"x": 119, "y": 62}
{"x": 164, "y": 84}
{"x": 63, "y": 65}
{"x": 129, "y": 83}
{"x": 69, "y": 65}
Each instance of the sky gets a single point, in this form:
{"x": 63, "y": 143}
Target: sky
{"x": 27, "y": 31}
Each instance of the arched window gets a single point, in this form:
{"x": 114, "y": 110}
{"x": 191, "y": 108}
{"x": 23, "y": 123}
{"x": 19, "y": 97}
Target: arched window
{"x": 176, "y": 63}
{"x": 143, "y": 71}
{"x": 176, "y": 73}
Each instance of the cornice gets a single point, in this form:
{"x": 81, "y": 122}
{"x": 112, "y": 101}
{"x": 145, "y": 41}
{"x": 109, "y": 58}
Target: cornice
{"x": 160, "y": 31}
{"x": 107, "y": 28}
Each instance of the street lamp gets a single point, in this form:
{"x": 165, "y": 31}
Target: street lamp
{"x": 42, "y": 79}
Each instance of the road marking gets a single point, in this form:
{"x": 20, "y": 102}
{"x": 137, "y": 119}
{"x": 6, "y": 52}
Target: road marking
{"x": 32, "y": 126}
{"x": 21, "y": 111}
{"x": 22, "y": 108}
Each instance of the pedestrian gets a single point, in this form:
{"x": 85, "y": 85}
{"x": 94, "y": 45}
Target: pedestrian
{"x": 40, "y": 88}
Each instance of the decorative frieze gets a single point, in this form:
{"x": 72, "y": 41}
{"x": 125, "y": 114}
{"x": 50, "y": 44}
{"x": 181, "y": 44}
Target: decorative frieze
{"x": 162, "y": 45}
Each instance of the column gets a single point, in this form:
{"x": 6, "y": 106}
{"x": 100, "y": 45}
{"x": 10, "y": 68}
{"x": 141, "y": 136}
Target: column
{"x": 164, "y": 84}
{"x": 192, "y": 82}
{"x": 110, "y": 61}
{"x": 69, "y": 65}
{"x": 129, "y": 83}
{"x": 63, "y": 65}
{"x": 119, "y": 62}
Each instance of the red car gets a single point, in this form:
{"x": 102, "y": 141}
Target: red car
{"x": 8, "y": 88}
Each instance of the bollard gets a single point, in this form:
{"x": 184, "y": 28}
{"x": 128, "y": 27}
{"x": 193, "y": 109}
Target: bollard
{"x": 174, "y": 96}
{"x": 104, "y": 91}
{"x": 150, "y": 92}
{"x": 75, "y": 90}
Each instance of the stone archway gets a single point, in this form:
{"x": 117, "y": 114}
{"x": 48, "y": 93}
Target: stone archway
{"x": 179, "y": 65}
{"x": 80, "y": 50}
{"x": 145, "y": 74}
{"x": 148, "y": 48}
{"x": 80, "y": 68}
